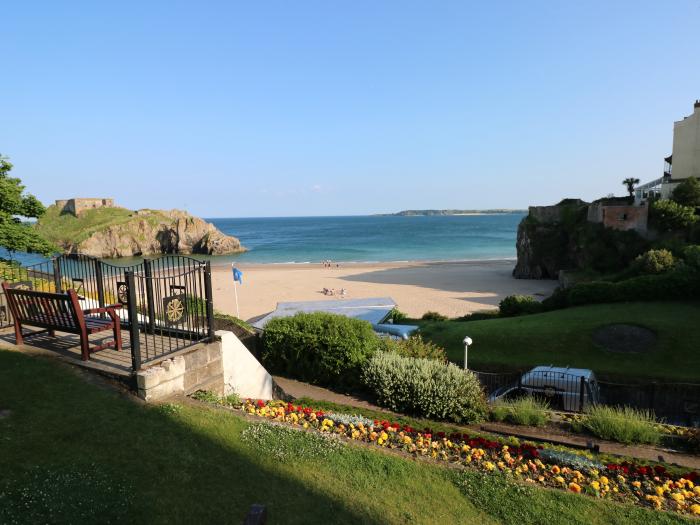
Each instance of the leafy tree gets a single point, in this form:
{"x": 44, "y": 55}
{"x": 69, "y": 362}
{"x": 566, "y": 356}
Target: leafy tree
{"x": 15, "y": 235}
{"x": 687, "y": 193}
{"x": 668, "y": 215}
{"x": 630, "y": 182}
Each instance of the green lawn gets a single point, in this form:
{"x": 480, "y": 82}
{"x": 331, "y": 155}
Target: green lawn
{"x": 75, "y": 451}
{"x": 563, "y": 337}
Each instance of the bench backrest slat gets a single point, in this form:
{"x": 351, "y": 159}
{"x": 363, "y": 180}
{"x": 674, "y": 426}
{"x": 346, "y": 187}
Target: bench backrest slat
{"x": 61, "y": 310}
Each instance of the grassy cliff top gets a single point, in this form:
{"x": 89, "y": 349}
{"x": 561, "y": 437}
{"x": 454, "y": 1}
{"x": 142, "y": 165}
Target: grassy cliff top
{"x": 61, "y": 228}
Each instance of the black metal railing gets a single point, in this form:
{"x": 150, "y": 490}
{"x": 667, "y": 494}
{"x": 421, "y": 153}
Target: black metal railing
{"x": 167, "y": 301}
{"x": 677, "y": 403}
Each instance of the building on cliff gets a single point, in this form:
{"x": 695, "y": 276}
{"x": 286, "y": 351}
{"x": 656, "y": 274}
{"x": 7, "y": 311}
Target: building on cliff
{"x": 78, "y": 205}
{"x": 684, "y": 161}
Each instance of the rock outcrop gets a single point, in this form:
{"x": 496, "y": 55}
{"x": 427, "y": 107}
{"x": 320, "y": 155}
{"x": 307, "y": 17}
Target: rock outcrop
{"x": 151, "y": 232}
{"x": 561, "y": 237}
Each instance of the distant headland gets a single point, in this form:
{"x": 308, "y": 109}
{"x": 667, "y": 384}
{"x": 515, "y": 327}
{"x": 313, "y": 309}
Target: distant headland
{"x": 409, "y": 213}
{"x": 99, "y": 228}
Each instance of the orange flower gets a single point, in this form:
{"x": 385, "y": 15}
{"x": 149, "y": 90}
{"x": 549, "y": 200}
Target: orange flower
{"x": 573, "y": 487}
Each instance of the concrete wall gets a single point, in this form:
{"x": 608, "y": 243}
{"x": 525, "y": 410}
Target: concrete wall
{"x": 224, "y": 366}
{"x": 686, "y": 146}
{"x": 243, "y": 374}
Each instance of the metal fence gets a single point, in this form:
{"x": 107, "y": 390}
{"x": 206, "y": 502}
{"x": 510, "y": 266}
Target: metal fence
{"x": 677, "y": 403}
{"x": 167, "y": 301}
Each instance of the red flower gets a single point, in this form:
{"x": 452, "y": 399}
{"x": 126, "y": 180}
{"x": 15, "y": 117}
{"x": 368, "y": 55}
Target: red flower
{"x": 261, "y": 403}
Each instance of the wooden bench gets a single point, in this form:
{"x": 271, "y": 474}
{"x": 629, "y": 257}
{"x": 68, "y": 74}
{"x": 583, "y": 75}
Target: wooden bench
{"x": 62, "y": 311}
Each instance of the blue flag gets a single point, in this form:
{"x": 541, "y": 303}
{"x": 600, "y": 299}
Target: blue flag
{"x": 237, "y": 275}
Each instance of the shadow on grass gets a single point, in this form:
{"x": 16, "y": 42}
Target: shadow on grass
{"x": 80, "y": 454}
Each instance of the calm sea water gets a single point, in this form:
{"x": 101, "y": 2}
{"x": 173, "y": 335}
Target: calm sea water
{"x": 363, "y": 239}
{"x": 368, "y": 238}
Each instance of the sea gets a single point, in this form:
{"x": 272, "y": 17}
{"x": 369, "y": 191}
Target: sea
{"x": 304, "y": 240}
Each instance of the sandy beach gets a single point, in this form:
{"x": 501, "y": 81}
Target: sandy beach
{"x": 450, "y": 288}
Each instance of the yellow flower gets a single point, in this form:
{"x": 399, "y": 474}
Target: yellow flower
{"x": 605, "y": 481}
{"x": 559, "y": 479}
{"x": 697, "y": 490}
{"x": 659, "y": 491}
{"x": 695, "y": 509}
{"x": 489, "y": 466}
{"x": 595, "y": 485}
{"x": 677, "y": 496}
{"x": 636, "y": 484}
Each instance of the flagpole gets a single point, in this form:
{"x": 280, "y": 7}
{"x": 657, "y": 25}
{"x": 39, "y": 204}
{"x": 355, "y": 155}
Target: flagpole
{"x": 235, "y": 292}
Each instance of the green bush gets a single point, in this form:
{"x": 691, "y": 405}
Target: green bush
{"x": 691, "y": 256}
{"x": 480, "y": 316}
{"x": 687, "y": 193}
{"x": 397, "y": 316}
{"x": 415, "y": 346}
{"x": 519, "y": 305}
{"x": 425, "y": 388}
{"x": 666, "y": 215}
{"x": 319, "y": 348}
{"x": 527, "y": 410}
{"x": 625, "y": 425}
{"x": 433, "y": 316}
{"x": 654, "y": 261}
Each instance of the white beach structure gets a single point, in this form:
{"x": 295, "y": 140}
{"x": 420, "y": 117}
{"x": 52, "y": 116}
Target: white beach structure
{"x": 375, "y": 310}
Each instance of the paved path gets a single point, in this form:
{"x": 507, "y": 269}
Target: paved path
{"x": 298, "y": 389}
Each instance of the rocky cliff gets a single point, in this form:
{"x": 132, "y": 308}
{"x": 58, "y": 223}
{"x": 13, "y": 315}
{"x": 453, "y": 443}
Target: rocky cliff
{"x": 123, "y": 233}
{"x": 559, "y": 237}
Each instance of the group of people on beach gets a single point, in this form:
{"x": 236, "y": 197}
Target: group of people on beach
{"x": 332, "y": 291}
{"x": 329, "y": 264}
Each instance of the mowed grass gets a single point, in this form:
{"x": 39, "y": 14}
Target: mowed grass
{"x": 75, "y": 451}
{"x": 564, "y": 338}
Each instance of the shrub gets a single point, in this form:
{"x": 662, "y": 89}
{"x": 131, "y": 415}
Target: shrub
{"x": 691, "y": 256}
{"x": 687, "y": 193}
{"x": 480, "y": 316}
{"x": 625, "y": 425}
{"x": 654, "y": 261}
{"x": 425, "y": 387}
{"x": 319, "y": 348}
{"x": 527, "y": 410}
{"x": 519, "y": 305}
{"x": 415, "y": 346}
{"x": 397, "y": 316}
{"x": 433, "y": 316}
{"x": 667, "y": 215}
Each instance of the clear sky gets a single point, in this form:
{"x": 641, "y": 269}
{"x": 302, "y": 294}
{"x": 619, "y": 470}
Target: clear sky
{"x": 232, "y": 109}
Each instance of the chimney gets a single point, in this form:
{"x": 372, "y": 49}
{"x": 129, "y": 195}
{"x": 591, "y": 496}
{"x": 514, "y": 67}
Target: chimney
{"x": 697, "y": 104}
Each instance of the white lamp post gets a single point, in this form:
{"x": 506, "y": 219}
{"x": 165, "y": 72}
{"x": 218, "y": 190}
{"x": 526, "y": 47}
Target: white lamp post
{"x": 467, "y": 342}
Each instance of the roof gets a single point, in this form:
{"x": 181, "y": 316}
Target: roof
{"x": 585, "y": 372}
{"x": 373, "y": 309}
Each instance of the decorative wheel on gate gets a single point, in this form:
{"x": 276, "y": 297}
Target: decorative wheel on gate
{"x": 122, "y": 292}
{"x": 175, "y": 309}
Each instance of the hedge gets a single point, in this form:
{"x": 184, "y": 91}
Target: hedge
{"x": 319, "y": 348}
{"x": 425, "y": 388}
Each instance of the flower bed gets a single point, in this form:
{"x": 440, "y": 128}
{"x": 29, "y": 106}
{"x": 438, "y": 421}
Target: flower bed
{"x": 644, "y": 485}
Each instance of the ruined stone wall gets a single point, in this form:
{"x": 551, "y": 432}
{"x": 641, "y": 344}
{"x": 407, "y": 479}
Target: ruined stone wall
{"x": 79, "y": 205}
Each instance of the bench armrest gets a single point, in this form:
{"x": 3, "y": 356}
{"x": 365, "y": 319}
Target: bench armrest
{"x": 103, "y": 310}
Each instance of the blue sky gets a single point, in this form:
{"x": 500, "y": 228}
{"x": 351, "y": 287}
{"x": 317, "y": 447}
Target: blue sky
{"x": 233, "y": 109}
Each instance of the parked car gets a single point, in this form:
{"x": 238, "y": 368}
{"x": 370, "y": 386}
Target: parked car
{"x": 564, "y": 388}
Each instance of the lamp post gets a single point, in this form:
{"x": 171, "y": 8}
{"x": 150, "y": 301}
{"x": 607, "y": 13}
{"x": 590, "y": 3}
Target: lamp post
{"x": 467, "y": 341}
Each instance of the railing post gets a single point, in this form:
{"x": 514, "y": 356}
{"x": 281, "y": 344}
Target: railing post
{"x": 210, "y": 300}
{"x": 582, "y": 394}
{"x": 57, "y": 274}
{"x": 133, "y": 320}
{"x": 148, "y": 273}
{"x": 100, "y": 284}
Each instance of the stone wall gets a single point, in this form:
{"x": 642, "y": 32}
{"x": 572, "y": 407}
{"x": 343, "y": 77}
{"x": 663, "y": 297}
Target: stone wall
{"x": 620, "y": 217}
{"x": 79, "y": 205}
{"x": 198, "y": 368}
{"x": 224, "y": 366}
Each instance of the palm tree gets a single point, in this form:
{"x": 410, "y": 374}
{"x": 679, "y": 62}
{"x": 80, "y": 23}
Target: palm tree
{"x": 630, "y": 182}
